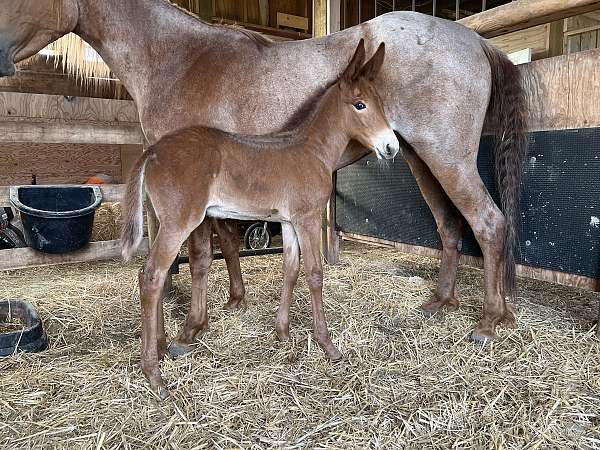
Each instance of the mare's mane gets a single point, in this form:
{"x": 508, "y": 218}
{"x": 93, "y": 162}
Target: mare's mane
{"x": 259, "y": 39}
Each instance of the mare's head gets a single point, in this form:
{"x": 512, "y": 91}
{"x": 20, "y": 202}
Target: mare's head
{"x": 27, "y": 26}
{"x": 362, "y": 107}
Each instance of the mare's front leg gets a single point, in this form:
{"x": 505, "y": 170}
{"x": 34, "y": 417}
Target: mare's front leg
{"x": 151, "y": 280}
{"x": 291, "y": 269}
{"x": 201, "y": 257}
{"x": 308, "y": 229}
{"x": 229, "y": 241}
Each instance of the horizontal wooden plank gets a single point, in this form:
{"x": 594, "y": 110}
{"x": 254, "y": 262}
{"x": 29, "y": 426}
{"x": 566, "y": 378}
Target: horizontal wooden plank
{"x": 21, "y": 258}
{"x": 57, "y": 163}
{"x": 111, "y": 193}
{"x": 41, "y": 106}
{"x": 522, "y": 14}
{"x": 292, "y": 21}
{"x": 536, "y": 273}
{"x": 51, "y": 83}
{"x": 54, "y": 132}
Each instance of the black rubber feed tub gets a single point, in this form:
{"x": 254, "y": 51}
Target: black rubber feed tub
{"x": 56, "y": 219}
{"x": 29, "y": 336}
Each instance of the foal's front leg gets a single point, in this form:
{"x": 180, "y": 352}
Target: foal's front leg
{"x": 229, "y": 241}
{"x": 291, "y": 269}
{"x": 308, "y": 229}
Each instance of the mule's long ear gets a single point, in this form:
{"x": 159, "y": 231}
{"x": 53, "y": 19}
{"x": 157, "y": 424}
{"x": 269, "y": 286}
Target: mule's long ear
{"x": 356, "y": 63}
{"x": 371, "y": 69}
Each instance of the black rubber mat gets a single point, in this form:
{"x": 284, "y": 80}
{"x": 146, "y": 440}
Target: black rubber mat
{"x": 560, "y": 203}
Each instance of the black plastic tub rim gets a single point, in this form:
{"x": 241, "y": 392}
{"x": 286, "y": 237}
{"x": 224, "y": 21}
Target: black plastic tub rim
{"x": 16, "y": 202}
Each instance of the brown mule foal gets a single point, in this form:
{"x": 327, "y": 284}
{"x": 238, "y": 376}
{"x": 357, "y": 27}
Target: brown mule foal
{"x": 290, "y": 181}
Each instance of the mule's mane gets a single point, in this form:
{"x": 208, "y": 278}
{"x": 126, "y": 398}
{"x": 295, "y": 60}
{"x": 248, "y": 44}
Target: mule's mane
{"x": 295, "y": 130}
{"x": 258, "y": 38}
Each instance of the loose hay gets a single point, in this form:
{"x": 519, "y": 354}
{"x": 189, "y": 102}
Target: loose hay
{"x": 408, "y": 382}
{"x": 107, "y": 222}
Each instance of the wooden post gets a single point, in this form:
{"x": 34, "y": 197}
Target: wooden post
{"x": 556, "y": 38}
{"x": 521, "y": 14}
{"x": 320, "y": 18}
{"x": 328, "y": 235}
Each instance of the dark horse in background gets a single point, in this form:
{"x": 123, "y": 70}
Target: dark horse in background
{"x": 439, "y": 83}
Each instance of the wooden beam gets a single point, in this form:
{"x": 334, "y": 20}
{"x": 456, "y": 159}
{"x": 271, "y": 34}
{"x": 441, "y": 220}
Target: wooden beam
{"x": 66, "y": 132}
{"x": 536, "y": 273}
{"x": 521, "y": 14}
{"x": 319, "y": 18}
{"x": 111, "y": 193}
{"x": 20, "y": 258}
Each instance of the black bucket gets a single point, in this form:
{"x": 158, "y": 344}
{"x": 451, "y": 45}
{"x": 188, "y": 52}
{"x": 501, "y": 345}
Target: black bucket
{"x": 56, "y": 219}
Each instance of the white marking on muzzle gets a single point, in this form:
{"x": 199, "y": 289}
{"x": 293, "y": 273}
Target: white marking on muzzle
{"x": 386, "y": 145}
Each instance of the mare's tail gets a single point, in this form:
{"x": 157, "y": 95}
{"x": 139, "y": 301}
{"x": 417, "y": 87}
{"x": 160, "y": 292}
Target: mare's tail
{"x": 507, "y": 111}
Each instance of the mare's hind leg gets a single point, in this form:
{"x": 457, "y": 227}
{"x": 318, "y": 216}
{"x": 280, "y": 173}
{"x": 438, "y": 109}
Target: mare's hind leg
{"x": 201, "y": 257}
{"x": 151, "y": 280}
{"x": 450, "y": 228}
{"x": 229, "y": 241}
{"x": 461, "y": 181}
{"x": 291, "y": 269}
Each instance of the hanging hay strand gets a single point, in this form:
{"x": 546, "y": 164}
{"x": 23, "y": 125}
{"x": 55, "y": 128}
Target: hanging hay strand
{"x": 81, "y": 61}
{"x": 407, "y": 382}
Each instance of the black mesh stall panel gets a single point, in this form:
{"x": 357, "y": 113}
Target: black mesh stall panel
{"x": 560, "y": 203}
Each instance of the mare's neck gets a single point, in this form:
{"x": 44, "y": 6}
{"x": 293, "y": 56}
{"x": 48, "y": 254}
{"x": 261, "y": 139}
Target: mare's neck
{"x": 134, "y": 36}
{"x": 327, "y": 136}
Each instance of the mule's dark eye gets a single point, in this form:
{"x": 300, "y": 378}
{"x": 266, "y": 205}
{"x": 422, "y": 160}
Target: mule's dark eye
{"x": 360, "y": 106}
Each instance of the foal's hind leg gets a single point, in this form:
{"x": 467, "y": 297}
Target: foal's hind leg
{"x": 450, "y": 228}
{"x": 152, "y": 278}
{"x": 229, "y": 241}
{"x": 201, "y": 257}
{"x": 461, "y": 181}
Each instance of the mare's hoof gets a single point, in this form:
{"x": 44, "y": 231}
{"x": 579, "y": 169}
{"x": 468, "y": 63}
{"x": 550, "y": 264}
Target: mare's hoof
{"x": 483, "y": 338}
{"x": 177, "y": 350}
{"x": 335, "y": 355}
{"x": 434, "y": 305}
{"x": 234, "y": 305}
{"x": 163, "y": 393}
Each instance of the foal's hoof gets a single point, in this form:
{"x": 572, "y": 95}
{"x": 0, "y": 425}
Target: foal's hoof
{"x": 483, "y": 337}
{"x": 283, "y": 333}
{"x": 234, "y": 305}
{"x": 177, "y": 350}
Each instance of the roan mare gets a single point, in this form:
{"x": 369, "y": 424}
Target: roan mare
{"x": 439, "y": 83}
{"x": 203, "y": 172}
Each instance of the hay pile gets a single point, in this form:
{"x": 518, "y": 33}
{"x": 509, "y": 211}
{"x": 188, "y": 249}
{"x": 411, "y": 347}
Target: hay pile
{"x": 408, "y": 382}
{"x": 107, "y": 222}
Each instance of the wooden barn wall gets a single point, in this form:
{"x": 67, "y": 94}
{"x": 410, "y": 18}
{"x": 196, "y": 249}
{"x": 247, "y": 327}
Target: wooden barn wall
{"x": 535, "y": 38}
{"x": 564, "y": 91}
{"x": 60, "y": 162}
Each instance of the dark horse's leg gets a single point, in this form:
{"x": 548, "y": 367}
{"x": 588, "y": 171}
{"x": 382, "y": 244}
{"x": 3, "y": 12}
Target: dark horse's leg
{"x": 450, "y": 227}
{"x": 201, "y": 257}
{"x": 229, "y": 241}
{"x": 463, "y": 185}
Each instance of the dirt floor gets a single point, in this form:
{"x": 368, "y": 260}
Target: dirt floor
{"x": 407, "y": 381}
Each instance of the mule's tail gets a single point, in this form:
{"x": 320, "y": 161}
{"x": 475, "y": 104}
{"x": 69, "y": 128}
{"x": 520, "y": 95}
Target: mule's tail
{"x": 507, "y": 112}
{"x": 133, "y": 226}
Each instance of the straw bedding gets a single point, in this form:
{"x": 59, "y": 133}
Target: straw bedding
{"x": 408, "y": 382}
